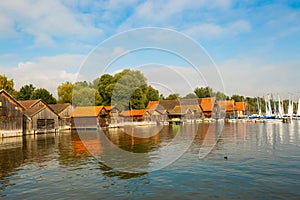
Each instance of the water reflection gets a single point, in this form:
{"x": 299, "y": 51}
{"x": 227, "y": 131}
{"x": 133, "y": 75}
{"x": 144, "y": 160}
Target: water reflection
{"x": 67, "y": 158}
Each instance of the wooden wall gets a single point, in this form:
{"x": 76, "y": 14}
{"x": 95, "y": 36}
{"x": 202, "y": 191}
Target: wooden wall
{"x": 32, "y": 122}
{"x": 10, "y": 117}
{"x": 84, "y": 122}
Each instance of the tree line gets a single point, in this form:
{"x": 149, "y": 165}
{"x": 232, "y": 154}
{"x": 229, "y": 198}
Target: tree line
{"x": 127, "y": 89}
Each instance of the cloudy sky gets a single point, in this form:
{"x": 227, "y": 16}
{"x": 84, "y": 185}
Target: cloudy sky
{"x": 254, "y": 46}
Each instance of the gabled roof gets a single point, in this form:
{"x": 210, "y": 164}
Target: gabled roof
{"x": 87, "y": 111}
{"x": 191, "y": 107}
{"x": 227, "y": 105}
{"x": 240, "y": 106}
{"x": 180, "y": 110}
{"x": 36, "y": 108}
{"x": 58, "y": 108}
{"x": 33, "y": 111}
{"x": 207, "y": 104}
{"x": 12, "y": 99}
{"x": 29, "y": 103}
{"x": 168, "y": 104}
{"x": 111, "y": 108}
{"x": 131, "y": 113}
{"x": 191, "y": 101}
{"x": 152, "y": 105}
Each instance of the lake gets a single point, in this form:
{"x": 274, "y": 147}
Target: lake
{"x": 192, "y": 161}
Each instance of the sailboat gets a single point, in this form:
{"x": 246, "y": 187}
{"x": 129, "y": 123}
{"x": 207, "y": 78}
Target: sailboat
{"x": 298, "y": 111}
{"x": 290, "y": 109}
{"x": 268, "y": 114}
{"x": 280, "y": 109}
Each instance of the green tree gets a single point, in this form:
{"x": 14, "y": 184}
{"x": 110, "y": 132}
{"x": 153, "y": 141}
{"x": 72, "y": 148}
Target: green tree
{"x": 65, "y": 92}
{"x": 173, "y": 96}
{"x": 190, "y": 96}
{"x": 43, "y": 94}
{"x": 220, "y": 95}
{"x": 237, "y": 98}
{"x": 203, "y": 92}
{"x": 152, "y": 94}
{"x": 105, "y": 85}
{"x": 161, "y": 97}
{"x": 138, "y": 99}
{"x": 25, "y": 92}
{"x": 7, "y": 85}
{"x": 128, "y": 89}
{"x": 85, "y": 95}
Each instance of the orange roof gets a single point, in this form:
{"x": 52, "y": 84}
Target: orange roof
{"x": 108, "y": 108}
{"x": 87, "y": 111}
{"x": 152, "y": 105}
{"x": 227, "y": 105}
{"x": 29, "y": 103}
{"x": 127, "y": 113}
{"x": 240, "y": 106}
{"x": 207, "y": 104}
{"x": 191, "y": 107}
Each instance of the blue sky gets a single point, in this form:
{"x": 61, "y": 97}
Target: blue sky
{"x": 255, "y": 44}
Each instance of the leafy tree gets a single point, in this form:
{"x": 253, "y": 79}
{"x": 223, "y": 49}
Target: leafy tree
{"x": 203, "y": 92}
{"x": 161, "y": 97}
{"x": 152, "y": 94}
{"x": 220, "y": 95}
{"x": 25, "y": 92}
{"x": 105, "y": 85}
{"x": 173, "y": 97}
{"x": 65, "y": 92}
{"x": 7, "y": 85}
{"x": 190, "y": 96}
{"x": 85, "y": 95}
{"x": 43, "y": 94}
{"x": 126, "y": 89}
{"x": 237, "y": 98}
{"x": 138, "y": 99}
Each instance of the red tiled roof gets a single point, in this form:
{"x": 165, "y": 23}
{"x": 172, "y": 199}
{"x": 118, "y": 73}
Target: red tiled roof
{"x": 227, "y": 105}
{"x": 29, "y": 103}
{"x": 130, "y": 113}
{"x": 207, "y": 104}
{"x": 152, "y": 105}
{"x": 240, "y": 106}
{"x": 168, "y": 104}
{"x": 58, "y": 108}
{"x": 87, "y": 111}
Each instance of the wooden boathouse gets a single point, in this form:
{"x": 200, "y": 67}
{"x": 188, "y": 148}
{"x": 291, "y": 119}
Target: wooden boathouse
{"x": 39, "y": 117}
{"x": 89, "y": 117}
{"x": 64, "y": 112}
{"x": 11, "y": 117}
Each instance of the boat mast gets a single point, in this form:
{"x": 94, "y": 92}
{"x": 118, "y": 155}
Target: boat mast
{"x": 298, "y": 110}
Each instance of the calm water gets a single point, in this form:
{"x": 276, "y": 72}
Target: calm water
{"x": 263, "y": 163}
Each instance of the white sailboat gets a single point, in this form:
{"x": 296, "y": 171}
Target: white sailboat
{"x": 268, "y": 114}
{"x": 298, "y": 111}
{"x": 290, "y": 109}
{"x": 280, "y": 109}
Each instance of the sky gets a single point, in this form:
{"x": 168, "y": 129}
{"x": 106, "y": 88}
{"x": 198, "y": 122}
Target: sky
{"x": 248, "y": 47}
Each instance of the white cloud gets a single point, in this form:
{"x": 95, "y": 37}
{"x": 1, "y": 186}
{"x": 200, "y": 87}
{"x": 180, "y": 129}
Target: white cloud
{"x": 182, "y": 80}
{"x": 45, "y": 20}
{"x": 211, "y": 31}
{"x": 255, "y": 77}
{"x": 46, "y": 72}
